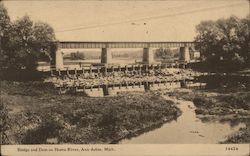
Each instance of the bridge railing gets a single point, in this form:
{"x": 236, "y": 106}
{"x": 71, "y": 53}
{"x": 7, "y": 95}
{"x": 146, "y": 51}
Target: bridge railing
{"x": 75, "y": 44}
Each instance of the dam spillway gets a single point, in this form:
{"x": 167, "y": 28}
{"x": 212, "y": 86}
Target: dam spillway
{"x": 110, "y": 80}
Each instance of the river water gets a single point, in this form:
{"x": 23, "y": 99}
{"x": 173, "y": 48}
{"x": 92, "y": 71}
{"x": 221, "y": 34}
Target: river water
{"x": 187, "y": 129}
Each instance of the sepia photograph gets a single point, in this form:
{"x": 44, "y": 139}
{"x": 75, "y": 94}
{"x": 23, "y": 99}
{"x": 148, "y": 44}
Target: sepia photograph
{"x": 112, "y": 76}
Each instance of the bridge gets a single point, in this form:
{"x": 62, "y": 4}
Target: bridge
{"x": 106, "y": 57}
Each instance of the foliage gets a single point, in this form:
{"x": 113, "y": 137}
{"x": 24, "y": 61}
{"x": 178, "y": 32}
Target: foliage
{"x": 109, "y": 124}
{"x": 166, "y": 53}
{"x": 223, "y": 104}
{"x": 4, "y": 125}
{"x": 225, "y": 42}
{"x": 243, "y": 136}
{"x": 24, "y": 42}
{"x": 48, "y": 128}
{"x": 77, "y": 56}
{"x": 4, "y": 32}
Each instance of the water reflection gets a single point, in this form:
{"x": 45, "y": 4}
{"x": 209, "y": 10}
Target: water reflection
{"x": 231, "y": 121}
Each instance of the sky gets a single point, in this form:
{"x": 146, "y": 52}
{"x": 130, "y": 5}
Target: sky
{"x": 120, "y": 20}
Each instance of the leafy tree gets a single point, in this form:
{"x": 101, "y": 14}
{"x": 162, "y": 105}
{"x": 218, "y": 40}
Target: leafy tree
{"x": 24, "y": 42}
{"x": 4, "y": 18}
{"x": 4, "y": 32}
{"x": 30, "y": 42}
{"x": 225, "y": 42}
{"x": 163, "y": 53}
{"x": 77, "y": 56}
{"x": 44, "y": 40}
{"x": 22, "y": 53}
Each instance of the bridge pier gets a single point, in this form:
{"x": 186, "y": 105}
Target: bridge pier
{"x": 184, "y": 54}
{"x": 106, "y": 56}
{"x": 59, "y": 59}
{"x": 148, "y": 56}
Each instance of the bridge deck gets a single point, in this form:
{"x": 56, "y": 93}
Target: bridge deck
{"x": 74, "y": 44}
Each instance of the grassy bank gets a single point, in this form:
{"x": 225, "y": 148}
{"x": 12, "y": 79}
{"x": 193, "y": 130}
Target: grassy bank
{"x": 231, "y": 106}
{"x": 224, "y": 105}
{"x": 243, "y": 136}
{"x": 35, "y": 113}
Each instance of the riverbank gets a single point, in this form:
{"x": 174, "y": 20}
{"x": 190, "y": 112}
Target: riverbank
{"x": 222, "y": 105}
{"x": 33, "y": 113}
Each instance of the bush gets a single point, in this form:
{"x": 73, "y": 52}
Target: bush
{"x": 21, "y": 75}
{"x": 200, "y": 101}
{"x": 49, "y": 128}
{"x": 236, "y": 101}
{"x": 4, "y": 124}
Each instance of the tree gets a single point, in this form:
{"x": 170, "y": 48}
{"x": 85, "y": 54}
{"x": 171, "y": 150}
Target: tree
{"x": 163, "y": 53}
{"x": 22, "y": 53}
{"x": 4, "y": 32}
{"x": 22, "y": 44}
{"x": 44, "y": 40}
{"x": 224, "y": 42}
{"x": 77, "y": 56}
{"x": 244, "y": 31}
{"x": 26, "y": 42}
{"x": 30, "y": 42}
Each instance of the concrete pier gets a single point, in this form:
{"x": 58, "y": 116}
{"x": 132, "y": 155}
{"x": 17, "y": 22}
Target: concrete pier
{"x": 148, "y": 56}
{"x": 59, "y": 59}
{"x": 184, "y": 54}
{"x": 106, "y": 56}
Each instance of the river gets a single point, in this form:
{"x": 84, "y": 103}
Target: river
{"x": 187, "y": 129}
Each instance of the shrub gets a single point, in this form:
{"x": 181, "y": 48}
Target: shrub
{"x": 200, "y": 101}
{"x": 4, "y": 124}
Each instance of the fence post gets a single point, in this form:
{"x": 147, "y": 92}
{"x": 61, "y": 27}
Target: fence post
{"x": 126, "y": 69}
{"x": 75, "y": 71}
{"x": 139, "y": 69}
{"x": 83, "y": 71}
{"x": 119, "y": 68}
{"x": 51, "y": 72}
{"x": 90, "y": 69}
{"x": 112, "y": 70}
{"x": 59, "y": 72}
{"x": 105, "y": 90}
{"x": 146, "y": 86}
{"x": 105, "y": 71}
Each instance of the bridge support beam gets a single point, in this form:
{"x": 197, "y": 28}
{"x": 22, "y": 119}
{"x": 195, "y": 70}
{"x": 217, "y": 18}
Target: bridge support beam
{"x": 59, "y": 59}
{"x": 148, "y": 56}
{"x": 106, "y": 56}
{"x": 184, "y": 54}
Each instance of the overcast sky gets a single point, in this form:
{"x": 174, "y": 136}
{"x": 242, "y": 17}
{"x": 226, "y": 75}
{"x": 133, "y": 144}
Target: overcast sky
{"x": 170, "y": 20}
